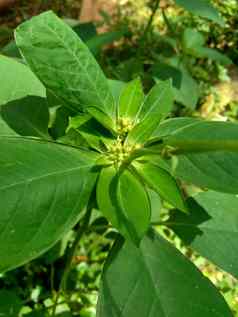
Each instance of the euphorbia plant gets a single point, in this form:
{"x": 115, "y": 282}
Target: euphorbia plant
{"x": 114, "y": 153}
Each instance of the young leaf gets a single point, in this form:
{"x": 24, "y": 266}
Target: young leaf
{"x": 156, "y": 280}
{"x": 19, "y": 85}
{"x": 131, "y": 99}
{"x": 203, "y": 8}
{"x": 123, "y": 201}
{"x": 163, "y": 183}
{"x": 64, "y": 63}
{"x": 211, "y": 228}
{"x": 157, "y": 105}
{"x": 28, "y": 116}
{"x": 43, "y": 188}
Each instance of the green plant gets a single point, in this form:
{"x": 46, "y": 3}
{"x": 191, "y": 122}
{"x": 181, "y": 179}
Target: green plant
{"x": 115, "y": 153}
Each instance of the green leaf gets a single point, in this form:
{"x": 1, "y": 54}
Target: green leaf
{"x": 215, "y": 170}
{"x": 86, "y": 30}
{"x": 94, "y": 134}
{"x": 116, "y": 87}
{"x": 163, "y": 71}
{"x": 203, "y": 8}
{"x": 124, "y": 202}
{"x": 187, "y": 94}
{"x": 131, "y": 99}
{"x": 205, "y": 136}
{"x": 193, "y": 44}
{"x": 157, "y": 105}
{"x": 43, "y": 188}
{"x": 211, "y": 228}
{"x": 11, "y": 50}
{"x": 206, "y": 52}
{"x": 64, "y": 63}
{"x": 28, "y": 116}
{"x": 170, "y": 126}
{"x": 96, "y": 43}
{"x": 23, "y": 83}
{"x": 10, "y": 304}
{"x": 156, "y": 280}
{"x": 163, "y": 183}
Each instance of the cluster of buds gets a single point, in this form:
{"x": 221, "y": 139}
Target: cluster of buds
{"x": 125, "y": 125}
{"x": 119, "y": 151}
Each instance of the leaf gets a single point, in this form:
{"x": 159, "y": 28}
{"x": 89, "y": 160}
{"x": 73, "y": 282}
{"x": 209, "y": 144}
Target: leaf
{"x": 11, "y": 50}
{"x": 10, "y": 304}
{"x": 94, "y": 134}
{"x": 123, "y": 201}
{"x": 170, "y": 126}
{"x": 155, "y": 280}
{"x": 96, "y": 43}
{"x": 22, "y": 84}
{"x": 211, "y": 228}
{"x": 187, "y": 94}
{"x": 157, "y": 105}
{"x": 116, "y": 87}
{"x": 5, "y": 129}
{"x": 163, "y": 71}
{"x": 213, "y": 170}
{"x": 205, "y": 136}
{"x": 64, "y": 63}
{"x": 28, "y": 116}
{"x": 203, "y": 8}
{"x": 43, "y": 188}
{"x": 85, "y": 31}
{"x": 131, "y": 99}
{"x": 215, "y": 55}
{"x": 193, "y": 44}
{"x": 163, "y": 183}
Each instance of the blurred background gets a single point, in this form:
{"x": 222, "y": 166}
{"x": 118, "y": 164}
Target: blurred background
{"x": 155, "y": 40}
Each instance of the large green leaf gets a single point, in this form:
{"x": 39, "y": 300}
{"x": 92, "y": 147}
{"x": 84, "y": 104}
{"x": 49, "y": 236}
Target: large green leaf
{"x": 123, "y": 201}
{"x": 17, "y": 81}
{"x": 211, "y": 228}
{"x": 43, "y": 188}
{"x": 213, "y": 170}
{"x": 64, "y": 63}
{"x": 205, "y": 136}
{"x": 202, "y": 8}
{"x": 28, "y": 116}
{"x": 10, "y": 304}
{"x": 163, "y": 183}
{"x": 157, "y": 105}
{"x": 156, "y": 280}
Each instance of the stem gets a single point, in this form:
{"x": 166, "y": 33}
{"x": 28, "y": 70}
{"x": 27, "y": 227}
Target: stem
{"x": 148, "y": 26}
{"x": 70, "y": 255}
{"x": 167, "y": 22}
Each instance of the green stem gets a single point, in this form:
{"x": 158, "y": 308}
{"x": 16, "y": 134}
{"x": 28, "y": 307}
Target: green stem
{"x": 167, "y": 22}
{"x": 70, "y": 255}
{"x": 148, "y": 26}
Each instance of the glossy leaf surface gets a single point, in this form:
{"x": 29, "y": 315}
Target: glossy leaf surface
{"x": 163, "y": 183}
{"x": 123, "y": 201}
{"x": 211, "y": 228}
{"x": 43, "y": 188}
{"x": 64, "y": 63}
{"x": 156, "y": 280}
